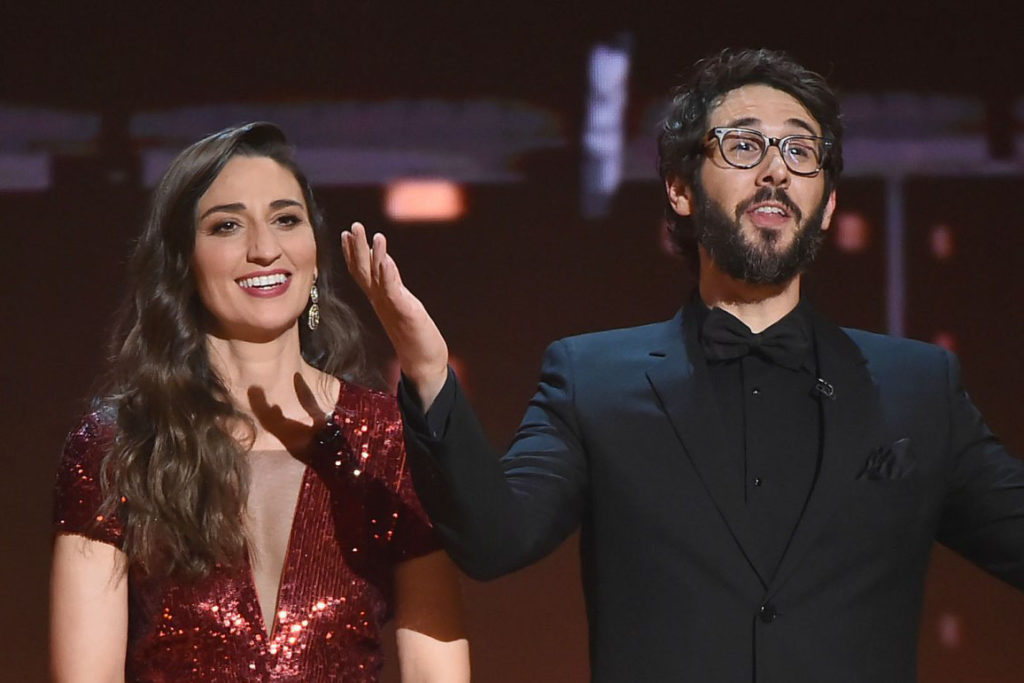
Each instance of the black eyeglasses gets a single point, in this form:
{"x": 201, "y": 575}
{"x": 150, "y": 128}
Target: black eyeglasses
{"x": 745, "y": 148}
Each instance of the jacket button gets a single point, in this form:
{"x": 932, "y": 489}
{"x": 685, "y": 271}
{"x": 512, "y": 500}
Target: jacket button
{"x": 767, "y": 613}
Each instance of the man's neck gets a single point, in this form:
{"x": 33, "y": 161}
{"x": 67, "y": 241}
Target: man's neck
{"x": 758, "y": 306}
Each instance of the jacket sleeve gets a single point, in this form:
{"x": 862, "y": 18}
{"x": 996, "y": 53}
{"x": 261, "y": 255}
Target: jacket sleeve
{"x": 498, "y": 514}
{"x": 983, "y": 516}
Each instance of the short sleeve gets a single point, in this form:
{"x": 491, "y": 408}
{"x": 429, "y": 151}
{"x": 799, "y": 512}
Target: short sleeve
{"x": 78, "y": 495}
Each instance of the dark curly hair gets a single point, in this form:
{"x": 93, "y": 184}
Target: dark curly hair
{"x": 176, "y": 474}
{"x": 682, "y": 139}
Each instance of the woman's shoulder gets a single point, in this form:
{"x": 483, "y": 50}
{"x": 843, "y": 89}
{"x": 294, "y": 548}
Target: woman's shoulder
{"x": 355, "y": 399}
{"x": 90, "y": 440}
{"x": 78, "y": 494}
{"x": 365, "y": 421}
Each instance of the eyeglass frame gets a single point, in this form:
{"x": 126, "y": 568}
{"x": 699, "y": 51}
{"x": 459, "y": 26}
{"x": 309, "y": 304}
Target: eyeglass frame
{"x": 719, "y": 132}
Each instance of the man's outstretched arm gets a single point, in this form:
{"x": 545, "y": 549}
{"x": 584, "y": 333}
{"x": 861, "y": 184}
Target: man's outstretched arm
{"x": 494, "y": 514}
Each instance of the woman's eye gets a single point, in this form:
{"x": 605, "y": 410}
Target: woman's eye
{"x": 288, "y": 220}
{"x": 223, "y": 227}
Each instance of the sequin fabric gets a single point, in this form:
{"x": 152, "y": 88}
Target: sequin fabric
{"x": 356, "y": 516}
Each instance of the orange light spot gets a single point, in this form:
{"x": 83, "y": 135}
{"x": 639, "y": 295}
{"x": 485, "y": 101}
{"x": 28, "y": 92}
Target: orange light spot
{"x": 424, "y": 201}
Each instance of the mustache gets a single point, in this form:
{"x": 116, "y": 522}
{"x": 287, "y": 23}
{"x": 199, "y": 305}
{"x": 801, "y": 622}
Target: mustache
{"x": 770, "y": 194}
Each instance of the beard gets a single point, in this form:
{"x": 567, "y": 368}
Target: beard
{"x": 757, "y": 260}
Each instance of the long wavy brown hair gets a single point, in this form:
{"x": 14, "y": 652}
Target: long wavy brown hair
{"x": 175, "y": 475}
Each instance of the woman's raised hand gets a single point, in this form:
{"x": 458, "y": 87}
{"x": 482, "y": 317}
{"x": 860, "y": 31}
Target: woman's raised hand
{"x": 422, "y": 352}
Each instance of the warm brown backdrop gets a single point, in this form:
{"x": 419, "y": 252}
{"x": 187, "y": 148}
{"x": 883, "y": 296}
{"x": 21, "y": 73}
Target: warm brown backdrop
{"x": 519, "y": 271}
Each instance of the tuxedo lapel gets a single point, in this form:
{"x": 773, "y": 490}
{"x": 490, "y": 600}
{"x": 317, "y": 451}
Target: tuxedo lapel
{"x": 851, "y": 421}
{"x": 685, "y": 394}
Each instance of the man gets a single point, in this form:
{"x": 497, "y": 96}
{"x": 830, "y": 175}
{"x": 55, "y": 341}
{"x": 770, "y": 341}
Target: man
{"x": 758, "y": 489}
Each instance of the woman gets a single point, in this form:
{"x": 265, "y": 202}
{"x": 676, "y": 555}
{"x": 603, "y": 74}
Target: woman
{"x": 233, "y": 510}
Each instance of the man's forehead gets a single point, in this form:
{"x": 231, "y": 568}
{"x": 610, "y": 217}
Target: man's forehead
{"x": 762, "y": 106}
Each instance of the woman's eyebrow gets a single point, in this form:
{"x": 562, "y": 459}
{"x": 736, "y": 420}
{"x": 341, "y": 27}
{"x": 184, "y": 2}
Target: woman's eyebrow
{"x": 239, "y": 206}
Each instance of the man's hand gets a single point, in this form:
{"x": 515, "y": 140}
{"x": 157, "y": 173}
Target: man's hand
{"x": 422, "y": 352}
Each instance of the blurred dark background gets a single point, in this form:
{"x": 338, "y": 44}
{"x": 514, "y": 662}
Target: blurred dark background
{"x": 495, "y": 105}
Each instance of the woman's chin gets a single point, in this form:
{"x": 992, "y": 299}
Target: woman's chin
{"x": 261, "y": 332}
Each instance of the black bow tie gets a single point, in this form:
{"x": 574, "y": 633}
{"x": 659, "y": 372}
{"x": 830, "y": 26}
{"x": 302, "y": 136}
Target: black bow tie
{"x": 725, "y": 337}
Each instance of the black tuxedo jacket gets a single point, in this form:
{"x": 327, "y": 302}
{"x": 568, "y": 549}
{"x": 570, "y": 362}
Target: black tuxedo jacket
{"x": 622, "y": 439}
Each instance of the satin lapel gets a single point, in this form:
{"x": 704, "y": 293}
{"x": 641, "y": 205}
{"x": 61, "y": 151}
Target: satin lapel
{"x": 851, "y": 423}
{"x": 686, "y": 396}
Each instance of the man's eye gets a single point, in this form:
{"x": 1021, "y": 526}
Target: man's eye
{"x": 744, "y": 146}
{"x": 802, "y": 150}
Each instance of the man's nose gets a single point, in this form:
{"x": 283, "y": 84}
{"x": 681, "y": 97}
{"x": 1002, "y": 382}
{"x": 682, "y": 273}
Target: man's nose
{"x": 773, "y": 170}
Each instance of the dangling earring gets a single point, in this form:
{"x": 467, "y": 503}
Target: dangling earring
{"x": 314, "y": 311}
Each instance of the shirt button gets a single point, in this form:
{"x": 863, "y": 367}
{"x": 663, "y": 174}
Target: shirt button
{"x": 767, "y": 613}
{"x": 758, "y": 481}
{"x": 756, "y": 391}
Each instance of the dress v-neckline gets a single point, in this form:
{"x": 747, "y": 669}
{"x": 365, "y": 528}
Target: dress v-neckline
{"x": 269, "y": 630}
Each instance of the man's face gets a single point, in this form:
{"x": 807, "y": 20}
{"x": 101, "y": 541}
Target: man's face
{"x": 761, "y": 225}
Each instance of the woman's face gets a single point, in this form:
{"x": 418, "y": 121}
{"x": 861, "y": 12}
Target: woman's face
{"x": 255, "y": 256}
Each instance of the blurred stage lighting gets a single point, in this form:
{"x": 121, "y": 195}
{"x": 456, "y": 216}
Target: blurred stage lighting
{"x": 942, "y": 242}
{"x": 852, "y": 232}
{"x": 946, "y": 340}
{"x": 604, "y": 127}
{"x": 950, "y": 631}
{"x": 424, "y": 201}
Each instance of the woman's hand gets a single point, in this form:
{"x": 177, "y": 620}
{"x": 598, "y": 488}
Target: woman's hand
{"x": 422, "y": 352}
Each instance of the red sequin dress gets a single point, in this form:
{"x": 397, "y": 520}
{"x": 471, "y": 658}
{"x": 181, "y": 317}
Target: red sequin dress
{"x": 356, "y": 516}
